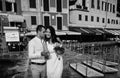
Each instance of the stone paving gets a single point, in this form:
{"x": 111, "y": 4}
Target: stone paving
{"x": 68, "y": 57}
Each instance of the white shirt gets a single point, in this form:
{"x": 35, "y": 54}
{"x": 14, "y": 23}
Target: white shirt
{"x": 35, "y": 48}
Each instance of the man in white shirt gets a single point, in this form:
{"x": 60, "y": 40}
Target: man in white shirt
{"x": 35, "y": 47}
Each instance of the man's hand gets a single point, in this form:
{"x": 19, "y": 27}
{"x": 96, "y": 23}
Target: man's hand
{"x": 45, "y": 54}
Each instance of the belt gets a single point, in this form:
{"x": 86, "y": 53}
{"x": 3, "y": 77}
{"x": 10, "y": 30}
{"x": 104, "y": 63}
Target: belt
{"x": 38, "y": 63}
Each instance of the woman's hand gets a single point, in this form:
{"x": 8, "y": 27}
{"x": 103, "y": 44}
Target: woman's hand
{"x": 58, "y": 44}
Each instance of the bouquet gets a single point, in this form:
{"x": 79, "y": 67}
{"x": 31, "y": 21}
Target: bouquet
{"x": 46, "y": 54}
{"x": 59, "y": 50}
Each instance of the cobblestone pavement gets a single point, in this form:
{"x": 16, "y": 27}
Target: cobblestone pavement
{"x": 68, "y": 57}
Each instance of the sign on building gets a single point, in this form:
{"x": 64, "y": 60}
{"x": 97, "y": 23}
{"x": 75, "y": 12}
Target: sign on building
{"x": 12, "y": 36}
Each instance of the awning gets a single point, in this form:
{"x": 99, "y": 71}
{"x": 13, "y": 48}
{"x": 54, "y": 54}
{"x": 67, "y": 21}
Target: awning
{"x": 118, "y": 31}
{"x": 72, "y": 33}
{"x": 114, "y": 31}
{"x": 93, "y": 31}
{"x": 88, "y": 31}
{"x": 32, "y": 33}
{"x": 60, "y": 33}
{"x": 79, "y": 30}
{"x": 15, "y": 18}
{"x": 10, "y": 0}
{"x": 67, "y": 32}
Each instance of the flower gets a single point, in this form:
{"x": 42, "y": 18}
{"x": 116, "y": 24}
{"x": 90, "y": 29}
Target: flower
{"x": 46, "y": 54}
{"x": 59, "y": 50}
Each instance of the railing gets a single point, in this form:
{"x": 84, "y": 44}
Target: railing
{"x": 106, "y": 53}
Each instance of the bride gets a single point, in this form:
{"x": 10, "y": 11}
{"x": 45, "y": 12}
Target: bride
{"x": 55, "y": 61}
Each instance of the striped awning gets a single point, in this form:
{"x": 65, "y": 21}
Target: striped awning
{"x": 113, "y": 31}
{"x": 15, "y": 18}
{"x": 10, "y": 0}
{"x": 87, "y": 31}
{"x": 67, "y": 32}
{"x": 62, "y": 32}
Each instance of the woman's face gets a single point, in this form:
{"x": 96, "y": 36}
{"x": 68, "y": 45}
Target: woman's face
{"x": 48, "y": 33}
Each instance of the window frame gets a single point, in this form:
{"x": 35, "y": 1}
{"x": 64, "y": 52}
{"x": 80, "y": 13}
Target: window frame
{"x": 92, "y": 18}
{"x": 32, "y": 20}
{"x": 80, "y": 17}
{"x": 31, "y": 4}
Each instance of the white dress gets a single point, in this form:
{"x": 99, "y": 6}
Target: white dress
{"x": 54, "y": 64}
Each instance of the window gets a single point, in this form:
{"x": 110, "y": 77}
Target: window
{"x": 15, "y": 7}
{"x": 98, "y": 4}
{"x": 59, "y": 5}
{"x": 8, "y": 6}
{"x": 102, "y": 5}
{"x": 116, "y": 21}
{"x": 105, "y": 6}
{"x": 1, "y": 5}
{"x": 113, "y": 8}
{"x": 46, "y": 21}
{"x": 103, "y": 20}
{"x": 86, "y": 18}
{"x": 97, "y": 19}
{"x": 32, "y": 3}
{"x": 80, "y": 17}
{"x": 59, "y": 23}
{"x": 110, "y": 7}
{"x": 83, "y": 3}
{"x": 108, "y": 21}
{"x": 33, "y": 20}
{"x": 92, "y": 18}
{"x": 92, "y": 4}
{"x": 46, "y": 5}
{"x": 112, "y": 21}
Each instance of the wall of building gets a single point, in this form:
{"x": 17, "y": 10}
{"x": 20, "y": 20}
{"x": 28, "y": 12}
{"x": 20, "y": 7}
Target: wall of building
{"x": 53, "y": 19}
{"x": 27, "y": 12}
{"x": 53, "y": 14}
{"x": 96, "y": 13}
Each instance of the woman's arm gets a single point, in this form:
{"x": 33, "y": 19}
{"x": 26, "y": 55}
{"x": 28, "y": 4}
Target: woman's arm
{"x": 59, "y": 40}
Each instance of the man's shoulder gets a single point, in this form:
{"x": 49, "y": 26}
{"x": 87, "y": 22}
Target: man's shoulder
{"x": 32, "y": 40}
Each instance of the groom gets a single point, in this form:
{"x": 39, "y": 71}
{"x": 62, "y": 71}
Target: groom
{"x": 35, "y": 48}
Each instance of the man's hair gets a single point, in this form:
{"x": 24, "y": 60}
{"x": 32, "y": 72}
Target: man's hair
{"x": 39, "y": 28}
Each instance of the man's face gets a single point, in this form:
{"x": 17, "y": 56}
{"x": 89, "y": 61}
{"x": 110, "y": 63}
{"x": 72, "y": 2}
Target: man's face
{"x": 41, "y": 33}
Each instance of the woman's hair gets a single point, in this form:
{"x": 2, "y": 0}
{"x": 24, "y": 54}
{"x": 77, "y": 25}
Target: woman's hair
{"x": 53, "y": 34}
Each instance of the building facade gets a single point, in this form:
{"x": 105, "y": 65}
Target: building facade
{"x": 11, "y": 20}
{"x": 31, "y": 11}
{"x": 46, "y": 12}
{"x": 95, "y": 14}
{"x": 11, "y": 15}
{"x": 55, "y": 13}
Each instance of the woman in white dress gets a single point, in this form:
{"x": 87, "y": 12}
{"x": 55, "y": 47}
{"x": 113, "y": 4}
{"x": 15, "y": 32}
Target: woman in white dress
{"x": 55, "y": 61}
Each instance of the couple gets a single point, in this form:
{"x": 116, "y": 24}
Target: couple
{"x": 45, "y": 40}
